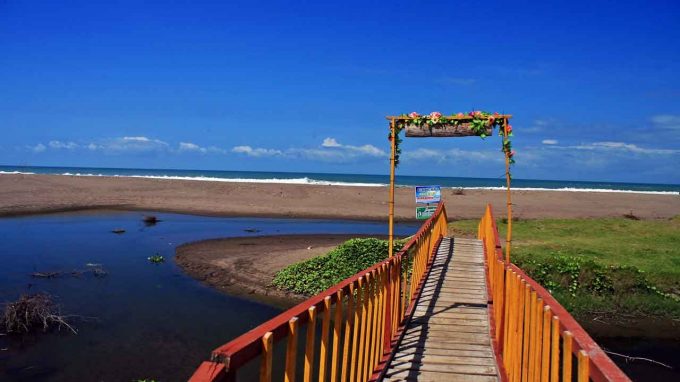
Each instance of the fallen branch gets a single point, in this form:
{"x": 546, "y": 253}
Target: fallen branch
{"x": 632, "y": 359}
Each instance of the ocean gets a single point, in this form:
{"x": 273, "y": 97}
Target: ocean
{"x": 349, "y": 179}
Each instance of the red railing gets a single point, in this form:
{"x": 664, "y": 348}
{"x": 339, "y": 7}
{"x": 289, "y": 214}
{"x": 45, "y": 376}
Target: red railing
{"x": 534, "y": 337}
{"x": 358, "y": 321}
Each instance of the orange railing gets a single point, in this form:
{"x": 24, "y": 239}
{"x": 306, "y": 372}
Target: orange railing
{"x": 534, "y": 337}
{"x": 349, "y": 329}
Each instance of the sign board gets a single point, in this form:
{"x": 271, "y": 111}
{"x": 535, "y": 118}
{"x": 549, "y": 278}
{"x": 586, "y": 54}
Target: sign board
{"x": 425, "y": 212}
{"x": 428, "y": 194}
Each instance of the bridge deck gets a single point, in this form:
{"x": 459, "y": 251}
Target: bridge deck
{"x": 448, "y": 337}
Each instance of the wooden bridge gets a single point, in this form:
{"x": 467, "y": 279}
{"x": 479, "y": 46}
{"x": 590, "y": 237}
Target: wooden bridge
{"x": 441, "y": 309}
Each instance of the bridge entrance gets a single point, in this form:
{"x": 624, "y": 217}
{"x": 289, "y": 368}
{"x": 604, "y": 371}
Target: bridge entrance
{"x": 475, "y": 123}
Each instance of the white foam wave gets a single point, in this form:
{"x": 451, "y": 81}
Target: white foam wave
{"x": 309, "y": 181}
{"x": 575, "y": 189}
{"x": 304, "y": 180}
{"x": 16, "y": 173}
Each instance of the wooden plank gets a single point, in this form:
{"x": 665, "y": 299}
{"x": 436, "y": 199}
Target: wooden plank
{"x": 451, "y": 347}
{"x": 448, "y": 368}
{"x": 463, "y": 352}
{"x": 443, "y": 359}
{"x": 411, "y": 375}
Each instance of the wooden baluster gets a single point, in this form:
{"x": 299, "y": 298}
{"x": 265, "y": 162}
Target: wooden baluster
{"x": 537, "y": 342}
{"x": 267, "y": 351}
{"x": 583, "y": 366}
{"x": 337, "y": 326}
{"x": 364, "y": 324}
{"x": 357, "y": 325}
{"x": 555, "y": 352}
{"x": 545, "y": 362}
{"x": 566, "y": 355}
{"x": 325, "y": 327}
{"x": 291, "y": 350}
{"x": 349, "y": 326}
{"x": 309, "y": 345}
{"x": 527, "y": 330}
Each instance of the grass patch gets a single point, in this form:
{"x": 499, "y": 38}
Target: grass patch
{"x": 312, "y": 276}
{"x": 612, "y": 265}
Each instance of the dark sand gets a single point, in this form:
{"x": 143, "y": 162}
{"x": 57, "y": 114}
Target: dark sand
{"x": 32, "y": 194}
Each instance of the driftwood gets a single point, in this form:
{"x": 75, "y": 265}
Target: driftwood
{"x": 96, "y": 269}
{"x": 31, "y": 312}
{"x": 46, "y": 275}
{"x": 150, "y": 220}
{"x": 462, "y": 129}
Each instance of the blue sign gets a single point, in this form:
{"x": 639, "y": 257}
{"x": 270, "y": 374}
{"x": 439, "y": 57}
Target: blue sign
{"x": 428, "y": 194}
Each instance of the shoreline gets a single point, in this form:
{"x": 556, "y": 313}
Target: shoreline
{"x": 314, "y": 182}
{"x": 22, "y": 194}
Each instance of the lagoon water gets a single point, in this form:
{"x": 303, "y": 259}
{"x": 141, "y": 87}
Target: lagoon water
{"x": 142, "y": 320}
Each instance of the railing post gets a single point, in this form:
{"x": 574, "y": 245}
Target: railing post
{"x": 387, "y": 333}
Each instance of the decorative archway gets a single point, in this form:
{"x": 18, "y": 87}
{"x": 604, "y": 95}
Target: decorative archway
{"x": 474, "y": 123}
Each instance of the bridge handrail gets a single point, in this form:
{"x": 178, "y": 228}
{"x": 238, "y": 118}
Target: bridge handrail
{"x": 519, "y": 303}
{"x": 378, "y": 299}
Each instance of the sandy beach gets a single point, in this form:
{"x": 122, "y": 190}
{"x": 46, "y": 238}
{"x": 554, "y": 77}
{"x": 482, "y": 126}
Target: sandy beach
{"x": 34, "y": 194}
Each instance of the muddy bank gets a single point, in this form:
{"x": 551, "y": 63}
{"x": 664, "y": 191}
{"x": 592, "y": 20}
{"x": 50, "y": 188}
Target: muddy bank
{"x": 245, "y": 266}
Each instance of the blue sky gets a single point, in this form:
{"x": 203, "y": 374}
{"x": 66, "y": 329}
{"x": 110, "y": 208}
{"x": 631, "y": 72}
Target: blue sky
{"x": 594, "y": 86}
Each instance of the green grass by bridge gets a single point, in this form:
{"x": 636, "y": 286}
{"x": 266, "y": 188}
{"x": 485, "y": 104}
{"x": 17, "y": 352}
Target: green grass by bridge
{"x": 600, "y": 265}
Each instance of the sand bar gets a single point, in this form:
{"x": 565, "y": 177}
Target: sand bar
{"x": 34, "y": 194}
{"x": 245, "y": 266}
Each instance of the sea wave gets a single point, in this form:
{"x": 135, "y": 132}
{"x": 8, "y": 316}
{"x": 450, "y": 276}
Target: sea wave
{"x": 16, "y": 173}
{"x": 310, "y": 181}
{"x": 303, "y": 180}
{"x": 574, "y": 189}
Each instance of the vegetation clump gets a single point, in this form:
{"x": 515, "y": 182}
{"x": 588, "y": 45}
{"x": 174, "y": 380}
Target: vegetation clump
{"x": 312, "y": 276}
{"x": 156, "y": 259}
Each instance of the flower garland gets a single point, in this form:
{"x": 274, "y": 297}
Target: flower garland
{"x": 480, "y": 121}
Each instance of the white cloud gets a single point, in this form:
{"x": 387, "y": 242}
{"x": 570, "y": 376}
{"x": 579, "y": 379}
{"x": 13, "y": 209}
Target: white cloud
{"x": 333, "y": 151}
{"x": 609, "y": 149}
{"x": 549, "y": 141}
{"x": 132, "y": 144}
{"x": 136, "y": 139}
{"x": 38, "y": 148}
{"x": 370, "y": 150}
{"x": 256, "y": 152}
{"x": 330, "y": 142}
{"x": 666, "y": 121}
{"x": 109, "y": 145}
{"x": 622, "y": 147}
{"x": 191, "y": 147}
{"x": 452, "y": 155}
{"x": 63, "y": 145}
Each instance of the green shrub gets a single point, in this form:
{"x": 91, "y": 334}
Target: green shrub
{"x": 584, "y": 286}
{"x": 312, "y": 276}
